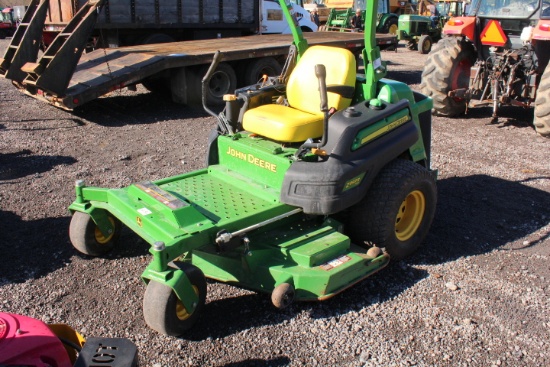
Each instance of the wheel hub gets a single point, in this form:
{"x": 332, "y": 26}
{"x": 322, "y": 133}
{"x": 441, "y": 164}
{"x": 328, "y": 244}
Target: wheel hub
{"x": 409, "y": 216}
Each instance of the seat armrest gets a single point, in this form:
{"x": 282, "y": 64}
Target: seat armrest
{"x": 344, "y": 90}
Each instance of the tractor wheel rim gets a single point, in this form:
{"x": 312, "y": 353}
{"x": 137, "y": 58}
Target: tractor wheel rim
{"x": 219, "y": 84}
{"x": 181, "y": 311}
{"x": 100, "y": 237}
{"x": 426, "y": 46}
{"x": 410, "y": 215}
{"x": 393, "y": 29}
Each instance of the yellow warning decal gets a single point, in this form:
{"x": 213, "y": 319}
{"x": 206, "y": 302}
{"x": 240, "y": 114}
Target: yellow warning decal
{"x": 493, "y": 35}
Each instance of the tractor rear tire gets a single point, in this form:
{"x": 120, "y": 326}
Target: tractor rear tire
{"x": 88, "y": 239}
{"x": 448, "y": 68}
{"x": 223, "y": 81}
{"x": 257, "y": 68}
{"x": 425, "y": 44}
{"x": 542, "y": 105}
{"x": 164, "y": 312}
{"x": 157, "y": 83}
{"x": 391, "y": 26}
{"x": 397, "y": 211}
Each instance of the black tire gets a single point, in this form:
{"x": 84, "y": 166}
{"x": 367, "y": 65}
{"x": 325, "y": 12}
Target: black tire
{"x": 2, "y": 34}
{"x": 257, "y": 68}
{"x": 157, "y": 38}
{"x": 397, "y": 211}
{"x": 425, "y": 44}
{"x": 88, "y": 239}
{"x": 283, "y": 295}
{"x": 223, "y": 81}
{"x": 164, "y": 312}
{"x": 542, "y": 105}
{"x": 157, "y": 83}
{"x": 391, "y": 26}
{"x": 412, "y": 45}
{"x": 448, "y": 68}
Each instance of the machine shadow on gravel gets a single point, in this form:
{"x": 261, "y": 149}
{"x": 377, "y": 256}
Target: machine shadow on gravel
{"x": 24, "y": 163}
{"x": 474, "y": 217}
{"x": 47, "y": 246}
{"x": 507, "y": 116}
{"x": 275, "y": 362}
{"x": 135, "y": 109}
{"x": 44, "y": 243}
{"x": 255, "y": 310}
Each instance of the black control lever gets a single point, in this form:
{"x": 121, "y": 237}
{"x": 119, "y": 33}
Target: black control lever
{"x": 206, "y": 79}
{"x": 321, "y": 74}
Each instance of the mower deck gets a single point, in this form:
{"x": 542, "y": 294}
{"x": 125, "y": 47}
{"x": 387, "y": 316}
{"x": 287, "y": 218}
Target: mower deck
{"x": 188, "y": 212}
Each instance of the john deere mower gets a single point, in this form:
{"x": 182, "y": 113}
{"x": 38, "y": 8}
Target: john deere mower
{"x": 315, "y": 179}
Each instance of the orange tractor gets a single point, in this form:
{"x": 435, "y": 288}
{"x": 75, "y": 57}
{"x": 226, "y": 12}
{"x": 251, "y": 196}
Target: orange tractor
{"x": 495, "y": 55}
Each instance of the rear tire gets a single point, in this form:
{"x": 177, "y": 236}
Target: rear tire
{"x": 223, "y": 81}
{"x": 88, "y": 239}
{"x": 542, "y": 105}
{"x": 257, "y": 68}
{"x": 165, "y": 313}
{"x": 397, "y": 211}
{"x": 448, "y": 68}
{"x": 157, "y": 83}
{"x": 391, "y": 26}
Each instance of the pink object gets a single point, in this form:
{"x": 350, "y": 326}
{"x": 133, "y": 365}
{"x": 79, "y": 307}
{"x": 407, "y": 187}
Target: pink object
{"x": 25, "y": 341}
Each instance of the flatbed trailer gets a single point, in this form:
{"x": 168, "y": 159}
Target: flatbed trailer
{"x": 105, "y": 70}
{"x": 67, "y": 78}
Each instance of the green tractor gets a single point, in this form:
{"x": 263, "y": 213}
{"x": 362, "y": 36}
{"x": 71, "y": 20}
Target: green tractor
{"x": 340, "y": 19}
{"x": 420, "y": 31}
{"x": 314, "y": 181}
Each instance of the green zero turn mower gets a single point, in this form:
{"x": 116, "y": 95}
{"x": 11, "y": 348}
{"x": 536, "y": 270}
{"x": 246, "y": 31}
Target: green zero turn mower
{"x": 314, "y": 180}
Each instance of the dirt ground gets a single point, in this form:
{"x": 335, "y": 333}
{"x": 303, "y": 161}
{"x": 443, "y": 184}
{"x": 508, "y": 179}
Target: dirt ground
{"x": 476, "y": 294}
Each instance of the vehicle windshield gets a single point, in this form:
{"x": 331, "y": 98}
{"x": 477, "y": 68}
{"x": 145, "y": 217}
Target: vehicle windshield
{"x": 507, "y": 9}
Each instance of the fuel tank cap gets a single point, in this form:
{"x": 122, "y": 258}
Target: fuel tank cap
{"x": 351, "y": 112}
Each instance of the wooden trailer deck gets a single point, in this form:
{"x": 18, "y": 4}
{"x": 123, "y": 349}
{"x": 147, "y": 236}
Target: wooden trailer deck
{"x": 102, "y": 71}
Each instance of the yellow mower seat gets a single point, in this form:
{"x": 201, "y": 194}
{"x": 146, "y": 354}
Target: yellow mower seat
{"x": 303, "y": 119}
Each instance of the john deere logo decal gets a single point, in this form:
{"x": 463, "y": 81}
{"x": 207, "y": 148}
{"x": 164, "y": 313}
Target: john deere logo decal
{"x": 250, "y": 158}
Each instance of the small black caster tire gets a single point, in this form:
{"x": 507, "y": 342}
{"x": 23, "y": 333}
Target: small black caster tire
{"x": 283, "y": 295}
{"x": 88, "y": 239}
{"x": 165, "y": 313}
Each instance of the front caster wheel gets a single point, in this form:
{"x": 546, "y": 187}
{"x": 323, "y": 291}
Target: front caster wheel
{"x": 164, "y": 311}
{"x": 282, "y": 295}
{"x": 88, "y": 239}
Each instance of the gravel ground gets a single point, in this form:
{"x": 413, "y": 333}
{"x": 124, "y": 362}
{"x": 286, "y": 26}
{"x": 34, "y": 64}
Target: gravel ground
{"x": 476, "y": 294}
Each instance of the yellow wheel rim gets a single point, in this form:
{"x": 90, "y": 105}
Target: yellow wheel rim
{"x": 181, "y": 311}
{"x": 100, "y": 238}
{"x": 393, "y": 29}
{"x": 409, "y": 216}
